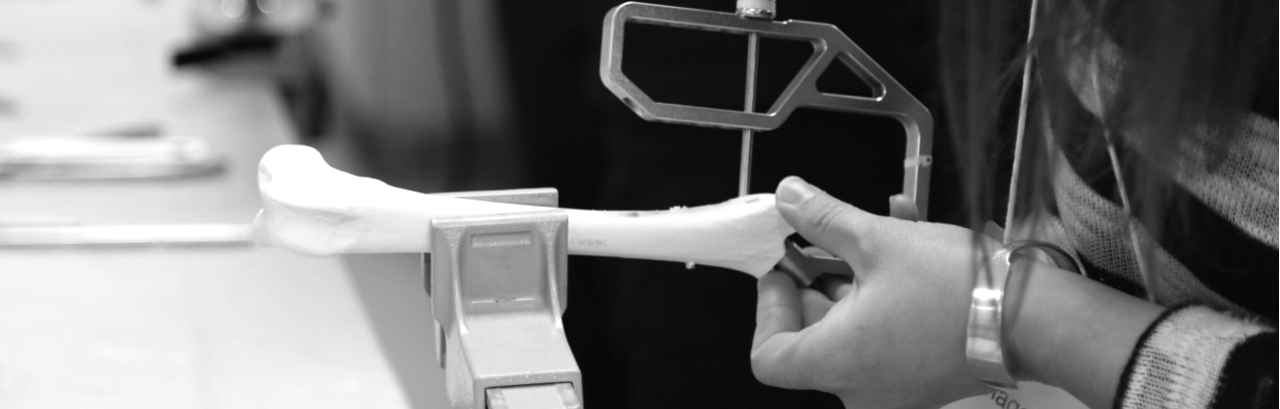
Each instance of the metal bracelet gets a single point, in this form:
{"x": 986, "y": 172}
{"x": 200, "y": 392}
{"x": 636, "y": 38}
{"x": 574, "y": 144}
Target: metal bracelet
{"x": 984, "y": 346}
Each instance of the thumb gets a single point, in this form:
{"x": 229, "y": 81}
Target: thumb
{"x": 833, "y": 225}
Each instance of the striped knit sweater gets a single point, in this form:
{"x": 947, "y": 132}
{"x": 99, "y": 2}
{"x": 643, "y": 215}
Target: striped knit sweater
{"x": 1217, "y": 348}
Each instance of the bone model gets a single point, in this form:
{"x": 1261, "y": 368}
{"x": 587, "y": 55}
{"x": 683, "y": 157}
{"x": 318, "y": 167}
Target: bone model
{"x": 314, "y": 209}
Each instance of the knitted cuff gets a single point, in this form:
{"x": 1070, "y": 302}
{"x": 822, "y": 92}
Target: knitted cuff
{"x": 1178, "y": 361}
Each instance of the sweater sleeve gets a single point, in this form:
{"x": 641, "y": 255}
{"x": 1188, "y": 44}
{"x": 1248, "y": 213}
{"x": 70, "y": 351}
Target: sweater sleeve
{"x": 1194, "y": 357}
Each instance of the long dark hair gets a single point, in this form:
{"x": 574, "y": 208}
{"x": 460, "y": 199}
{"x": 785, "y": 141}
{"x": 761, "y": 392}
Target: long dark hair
{"x": 1186, "y": 65}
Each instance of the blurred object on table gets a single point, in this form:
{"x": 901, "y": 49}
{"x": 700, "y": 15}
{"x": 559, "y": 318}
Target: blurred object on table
{"x": 105, "y": 157}
{"x": 269, "y": 17}
{"x": 411, "y": 92}
{"x": 421, "y": 94}
{"x": 271, "y": 38}
{"x": 84, "y": 66}
{"x": 226, "y": 28}
{"x": 190, "y": 326}
{"x": 127, "y": 235}
{"x": 36, "y": 220}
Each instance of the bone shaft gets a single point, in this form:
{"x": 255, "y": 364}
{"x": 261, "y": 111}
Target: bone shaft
{"x": 722, "y": 238}
{"x": 311, "y": 208}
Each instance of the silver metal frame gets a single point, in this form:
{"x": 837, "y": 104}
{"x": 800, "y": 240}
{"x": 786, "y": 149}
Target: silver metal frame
{"x": 830, "y": 44}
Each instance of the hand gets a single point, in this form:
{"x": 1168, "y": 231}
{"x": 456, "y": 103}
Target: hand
{"x": 893, "y": 338}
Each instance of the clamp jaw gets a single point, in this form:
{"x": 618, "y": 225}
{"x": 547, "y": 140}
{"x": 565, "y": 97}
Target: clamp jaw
{"x": 806, "y": 264}
{"x": 498, "y": 286}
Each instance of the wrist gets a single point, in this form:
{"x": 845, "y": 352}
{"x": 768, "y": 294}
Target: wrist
{"x": 1068, "y": 331}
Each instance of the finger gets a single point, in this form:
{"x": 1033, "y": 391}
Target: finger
{"x": 777, "y": 357}
{"x": 778, "y": 307}
{"x": 815, "y": 304}
{"x": 903, "y": 207}
{"x": 824, "y": 220}
{"x": 833, "y": 286}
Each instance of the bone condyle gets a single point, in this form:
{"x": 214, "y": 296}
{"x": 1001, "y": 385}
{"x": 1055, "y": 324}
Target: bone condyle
{"x": 311, "y": 208}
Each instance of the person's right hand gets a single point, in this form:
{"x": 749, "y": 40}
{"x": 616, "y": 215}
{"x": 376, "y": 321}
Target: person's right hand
{"x": 896, "y": 337}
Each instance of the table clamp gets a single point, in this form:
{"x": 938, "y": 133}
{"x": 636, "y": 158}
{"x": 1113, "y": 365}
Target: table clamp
{"x": 498, "y": 287}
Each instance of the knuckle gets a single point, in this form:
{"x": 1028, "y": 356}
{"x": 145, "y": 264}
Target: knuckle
{"x": 829, "y": 217}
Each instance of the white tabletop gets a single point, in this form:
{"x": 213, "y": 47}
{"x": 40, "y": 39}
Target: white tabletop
{"x": 184, "y": 327}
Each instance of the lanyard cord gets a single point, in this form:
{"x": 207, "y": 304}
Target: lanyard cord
{"x": 1022, "y": 130}
{"x": 1139, "y": 251}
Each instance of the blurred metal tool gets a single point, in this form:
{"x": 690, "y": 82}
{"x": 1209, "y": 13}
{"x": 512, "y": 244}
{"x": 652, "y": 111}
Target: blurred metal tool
{"x": 105, "y": 158}
{"x": 127, "y": 235}
{"x": 830, "y": 44}
{"x": 269, "y": 18}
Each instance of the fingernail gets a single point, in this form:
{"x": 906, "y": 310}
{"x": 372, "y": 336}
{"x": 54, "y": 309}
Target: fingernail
{"x": 794, "y": 190}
